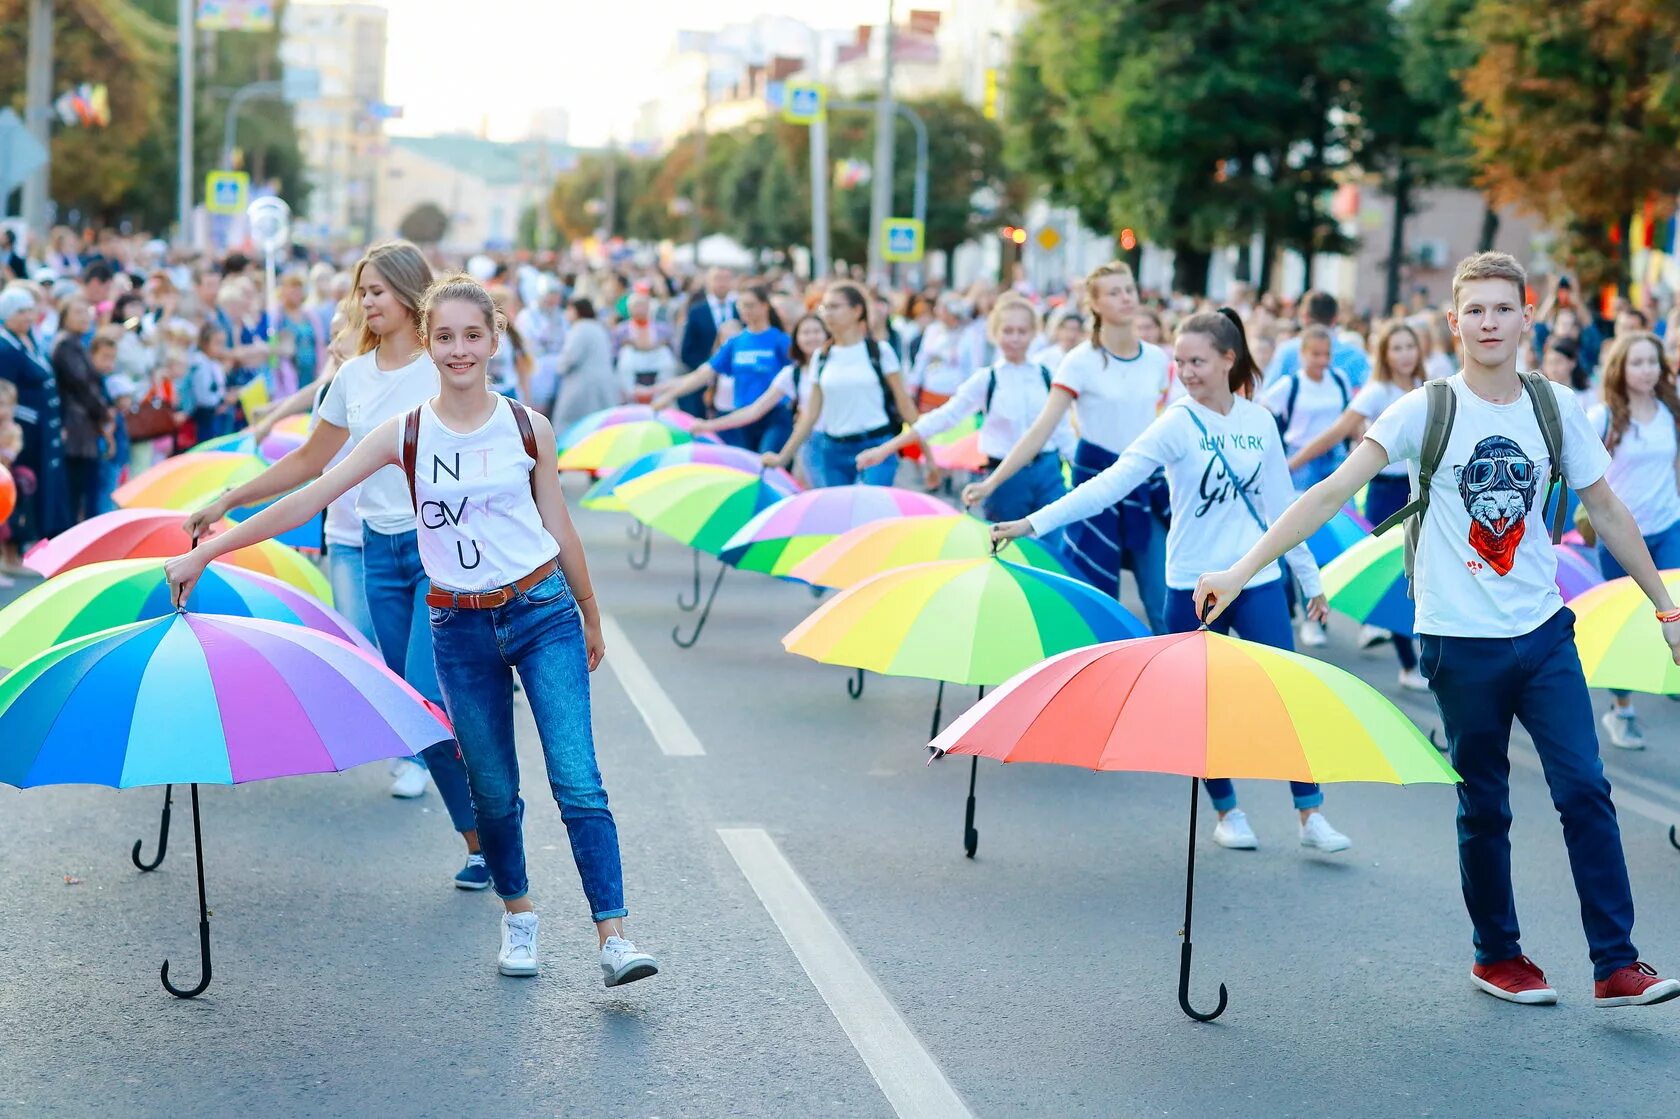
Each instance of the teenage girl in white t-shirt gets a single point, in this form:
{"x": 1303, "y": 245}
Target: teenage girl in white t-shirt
{"x": 790, "y": 385}
{"x": 1227, "y": 479}
{"x": 510, "y": 590}
{"x": 391, "y": 375}
{"x": 1398, "y": 368}
{"x": 1640, "y": 423}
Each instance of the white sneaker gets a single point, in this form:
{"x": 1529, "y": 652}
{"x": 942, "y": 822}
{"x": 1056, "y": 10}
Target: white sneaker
{"x": 1233, "y": 831}
{"x": 1312, "y": 635}
{"x": 411, "y": 780}
{"x": 622, "y": 962}
{"x": 519, "y": 945}
{"x": 1318, "y": 834}
{"x": 1372, "y": 636}
{"x": 1624, "y": 729}
{"x": 1412, "y": 680}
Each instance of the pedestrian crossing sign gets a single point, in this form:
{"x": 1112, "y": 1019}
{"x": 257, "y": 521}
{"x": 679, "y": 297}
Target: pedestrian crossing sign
{"x": 901, "y": 240}
{"x": 226, "y": 192}
{"x": 804, "y": 102}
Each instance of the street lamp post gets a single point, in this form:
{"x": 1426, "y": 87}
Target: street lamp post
{"x": 880, "y": 197}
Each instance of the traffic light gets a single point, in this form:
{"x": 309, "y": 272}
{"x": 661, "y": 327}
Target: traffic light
{"x": 1008, "y": 232}
{"x": 1018, "y": 235}
{"x": 1128, "y": 239}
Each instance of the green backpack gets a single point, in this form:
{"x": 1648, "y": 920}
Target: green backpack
{"x": 1437, "y": 429}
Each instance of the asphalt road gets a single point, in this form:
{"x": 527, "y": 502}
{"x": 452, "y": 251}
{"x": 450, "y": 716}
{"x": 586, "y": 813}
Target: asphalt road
{"x": 826, "y": 948}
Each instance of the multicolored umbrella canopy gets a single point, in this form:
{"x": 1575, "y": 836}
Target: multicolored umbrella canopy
{"x": 971, "y": 621}
{"x": 602, "y": 498}
{"x": 101, "y": 596}
{"x": 294, "y": 425}
{"x": 1200, "y": 705}
{"x": 964, "y": 454}
{"x": 188, "y": 481}
{"x": 869, "y": 549}
{"x": 621, "y": 414}
{"x": 1368, "y": 581}
{"x": 621, "y": 444}
{"x": 787, "y": 533}
{"x": 199, "y": 698}
{"x": 1339, "y": 533}
{"x": 699, "y": 505}
{"x": 275, "y": 447}
{"x": 1620, "y": 640}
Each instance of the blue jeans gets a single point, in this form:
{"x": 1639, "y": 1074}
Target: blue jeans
{"x": 836, "y": 462}
{"x": 344, "y": 575}
{"x": 1261, "y": 615}
{"x": 1385, "y": 496}
{"x": 1125, "y": 537}
{"x": 768, "y": 433}
{"x": 1480, "y": 685}
{"x": 1311, "y": 474}
{"x": 539, "y": 633}
{"x": 396, "y": 588}
{"x": 1032, "y": 488}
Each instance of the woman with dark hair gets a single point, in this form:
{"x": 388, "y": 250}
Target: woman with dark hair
{"x": 1228, "y": 480}
{"x": 85, "y": 409}
{"x": 588, "y": 379}
{"x": 749, "y": 361}
{"x": 1561, "y": 362}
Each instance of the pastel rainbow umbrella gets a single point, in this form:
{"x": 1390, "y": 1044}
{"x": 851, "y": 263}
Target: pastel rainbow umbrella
{"x": 789, "y": 532}
{"x": 203, "y": 699}
{"x": 701, "y": 506}
{"x": 1337, "y": 535}
{"x": 275, "y": 447}
{"x": 100, "y": 596}
{"x": 294, "y": 425}
{"x": 602, "y": 498}
{"x": 622, "y": 414}
{"x": 959, "y": 447}
{"x": 966, "y": 621}
{"x": 1199, "y": 705}
{"x": 878, "y": 546}
{"x": 156, "y": 534}
{"x": 621, "y": 444}
{"x": 1620, "y": 640}
{"x": 186, "y": 482}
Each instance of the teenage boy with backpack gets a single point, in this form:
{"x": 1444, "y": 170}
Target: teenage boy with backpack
{"x": 1497, "y": 642}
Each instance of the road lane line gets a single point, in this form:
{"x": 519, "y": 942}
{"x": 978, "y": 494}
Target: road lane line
{"x": 1630, "y": 801}
{"x": 907, "y": 1074}
{"x": 670, "y": 730}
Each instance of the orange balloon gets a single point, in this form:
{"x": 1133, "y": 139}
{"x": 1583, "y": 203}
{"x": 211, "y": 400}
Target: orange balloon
{"x": 8, "y": 493}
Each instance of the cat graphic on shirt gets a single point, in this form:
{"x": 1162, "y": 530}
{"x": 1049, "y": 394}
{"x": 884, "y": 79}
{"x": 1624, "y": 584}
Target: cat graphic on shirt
{"x": 1497, "y": 486}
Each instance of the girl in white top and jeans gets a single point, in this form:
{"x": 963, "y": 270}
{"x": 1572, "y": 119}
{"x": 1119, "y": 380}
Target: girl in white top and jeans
{"x": 510, "y": 590}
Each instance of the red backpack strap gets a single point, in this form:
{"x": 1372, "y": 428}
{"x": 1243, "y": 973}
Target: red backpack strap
{"x": 411, "y": 452}
{"x": 527, "y": 435}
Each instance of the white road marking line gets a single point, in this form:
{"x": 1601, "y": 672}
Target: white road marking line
{"x": 670, "y": 730}
{"x": 907, "y": 1074}
{"x": 1632, "y": 802}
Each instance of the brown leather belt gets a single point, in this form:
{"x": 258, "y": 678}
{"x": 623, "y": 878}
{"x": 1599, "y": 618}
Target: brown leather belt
{"x": 489, "y": 600}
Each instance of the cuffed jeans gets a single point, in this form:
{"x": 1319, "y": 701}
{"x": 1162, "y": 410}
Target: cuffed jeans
{"x": 539, "y": 633}
{"x": 1261, "y": 615}
{"x": 396, "y": 588}
{"x": 1480, "y": 684}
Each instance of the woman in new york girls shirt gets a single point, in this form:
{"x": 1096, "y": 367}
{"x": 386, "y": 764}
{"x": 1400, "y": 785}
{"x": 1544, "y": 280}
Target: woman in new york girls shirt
{"x": 1228, "y": 480}
{"x": 510, "y": 591}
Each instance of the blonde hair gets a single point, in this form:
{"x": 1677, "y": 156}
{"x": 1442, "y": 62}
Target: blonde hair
{"x": 1489, "y": 266}
{"x": 1098, "y": 274}
{"x": 405, "y": 272}
{"x": 462, "y": 288}
{"x": 1317, "y": 332}
{"x": 1008, "y": 302}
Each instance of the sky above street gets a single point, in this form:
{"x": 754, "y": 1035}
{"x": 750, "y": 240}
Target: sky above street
{"x": 454, "y": 66}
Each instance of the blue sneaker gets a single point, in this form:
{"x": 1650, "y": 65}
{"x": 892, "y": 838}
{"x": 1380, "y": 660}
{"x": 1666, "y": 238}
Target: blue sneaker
{"x": 474, "y": 876}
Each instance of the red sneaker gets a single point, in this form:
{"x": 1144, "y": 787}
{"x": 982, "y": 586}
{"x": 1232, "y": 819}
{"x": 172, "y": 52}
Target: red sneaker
{"x": 1515, "y": 980}
{"x": 1635, "y": 985}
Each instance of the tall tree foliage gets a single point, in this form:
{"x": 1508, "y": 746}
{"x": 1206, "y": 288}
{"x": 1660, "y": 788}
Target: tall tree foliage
{"x": 1577, "y": 118}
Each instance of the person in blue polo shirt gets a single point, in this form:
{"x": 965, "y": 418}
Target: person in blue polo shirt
{"x": 1319, "y": 308}
{"x": 750, "y": 359}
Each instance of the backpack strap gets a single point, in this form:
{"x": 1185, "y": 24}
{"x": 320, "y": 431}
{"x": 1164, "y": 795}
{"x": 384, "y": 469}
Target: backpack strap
{"x": 411, "y": 452}
{"x": 991, "y": 387}
{"x": 1546, "y": 412}
{"x": 1288, "y": 416}
{"x": 1441, "y": 408}
{"x": 888, "y": 404}
{"x": 522, "y": 419}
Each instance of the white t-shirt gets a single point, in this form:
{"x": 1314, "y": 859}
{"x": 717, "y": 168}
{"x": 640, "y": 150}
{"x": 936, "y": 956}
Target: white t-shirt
{"x": 1016, "y": 403}
{"x": 1371, "y": 401}
{"x": 1318, "y": 405}
{"x": 1212, "y": 527}
{"x": 362, "y": 397}
{"x": 1115, "y": 398}
{"x": 783, "y": 383}
{"x": 853, "y": 400}
{"x": 1485, "y": 565}
{"x": 479, "y": 527}
{"x": 1642, "y": 468}
{"x": 343, "y": 527}
{"x": 640, "y": 370}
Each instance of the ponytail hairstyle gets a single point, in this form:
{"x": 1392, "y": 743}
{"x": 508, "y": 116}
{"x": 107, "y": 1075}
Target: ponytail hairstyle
{"x": 462, "y": 288}
{"x": 1098, "y": 274}
{"x": 1224, "y": 328}
{"x": 761, "y": 292}
{"x": 1616, "y": 390}
{"x": 405, "y": 272}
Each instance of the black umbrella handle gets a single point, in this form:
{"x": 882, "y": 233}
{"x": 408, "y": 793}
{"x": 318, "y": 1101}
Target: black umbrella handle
{"x": 163, "y": 836}
{"x": 203, "y": 921}
{"x": 1189, "y": 901}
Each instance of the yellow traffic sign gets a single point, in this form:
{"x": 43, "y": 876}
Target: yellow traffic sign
{"x": 804, "y": 102}
{"x": 902, "y": 240}
{"x": 1048, "y": 238}
{"x": 226, "y": 192}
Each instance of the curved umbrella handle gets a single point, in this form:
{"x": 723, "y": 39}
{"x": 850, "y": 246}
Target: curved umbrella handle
{"x": 204, "y": 964}
{"x": 854, "y": 686}
{"x": 163, "y": 836}
{"x": 1674, "y": 835}
{"x": 1184, "y": 989}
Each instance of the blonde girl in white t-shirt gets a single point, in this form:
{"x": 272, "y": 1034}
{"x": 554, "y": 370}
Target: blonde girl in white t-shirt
{"x": 510, "y": 590}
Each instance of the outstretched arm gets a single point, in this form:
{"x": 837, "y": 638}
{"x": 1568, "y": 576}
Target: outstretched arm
{"x": 557, "y": 519}
{"x": 1026, "y": 449}
{"x": 1347, "y": 426}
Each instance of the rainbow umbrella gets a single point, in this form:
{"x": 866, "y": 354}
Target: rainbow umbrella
{"x": 788, "y": 532}
{"x": 102, "y": 595}
{"x": 1338, "y": 534}
{"x": 275, "y": 447}
{"x": 1620, "y": 639}
{"x": 957, "y": 434}
{"x": 1199, "y": 705}
{"x": 294, "y": 425}
{"x": 1576, "y": 574}
{"x": 878, "y": 546}
{"x": 203, "y": 699}
{"x": 602, "y": 498}
{"x": 959, "y": 447}
{"x": 621, "y": 444}
{"x": 622, "y": 414}
{"x": 701, "y": 506}
{"x": 188, "y": 481}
